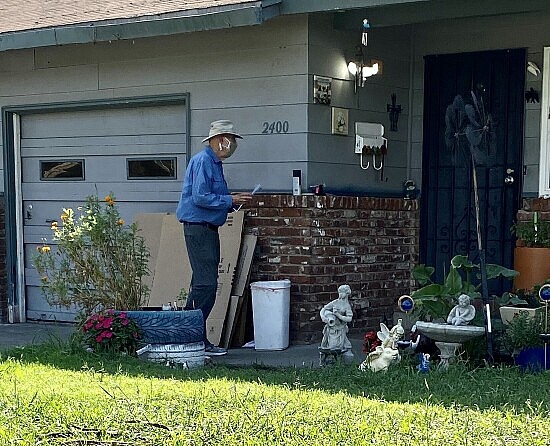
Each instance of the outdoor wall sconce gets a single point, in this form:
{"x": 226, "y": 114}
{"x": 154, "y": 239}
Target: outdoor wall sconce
{"x": 533, "y": 68}
{"x": 362, "y": 70}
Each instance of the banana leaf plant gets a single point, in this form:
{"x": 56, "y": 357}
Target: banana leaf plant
{"x": 434, "y": 301}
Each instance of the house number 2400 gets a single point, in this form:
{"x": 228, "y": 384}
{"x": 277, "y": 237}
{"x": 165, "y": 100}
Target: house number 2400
{"x": 275, "y": 127}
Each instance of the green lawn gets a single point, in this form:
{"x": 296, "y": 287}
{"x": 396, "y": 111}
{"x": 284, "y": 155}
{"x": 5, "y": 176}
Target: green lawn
{"x": 52, "y": 396}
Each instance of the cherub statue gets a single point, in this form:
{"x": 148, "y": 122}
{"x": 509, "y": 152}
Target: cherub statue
{"x": 387, "y": 353}
{"x": 389, "y": 338}
{"x": 462, "y": 313}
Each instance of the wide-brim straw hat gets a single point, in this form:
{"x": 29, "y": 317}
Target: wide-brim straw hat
{"x": 221, "y": 127}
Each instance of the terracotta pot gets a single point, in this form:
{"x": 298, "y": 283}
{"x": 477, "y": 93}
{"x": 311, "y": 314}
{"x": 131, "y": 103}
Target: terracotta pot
{"x": 533, "y": 265}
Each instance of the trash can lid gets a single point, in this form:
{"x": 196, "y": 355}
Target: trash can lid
{"x": 271, "y": 284}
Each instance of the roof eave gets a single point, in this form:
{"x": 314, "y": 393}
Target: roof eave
{"x": 213, "y": 18}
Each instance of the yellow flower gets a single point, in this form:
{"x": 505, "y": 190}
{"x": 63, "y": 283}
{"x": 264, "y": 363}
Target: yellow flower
{"x": 64, "y": 216}
{"x": 44, "y": 279}
{"x": 120, "y": 221}
{"x": 54, "y": 226}
{"x": 46, "y": 248}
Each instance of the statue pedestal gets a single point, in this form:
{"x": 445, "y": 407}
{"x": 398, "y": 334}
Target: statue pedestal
{"x": 328, "y": 356}
{"x": 448, "y": 352}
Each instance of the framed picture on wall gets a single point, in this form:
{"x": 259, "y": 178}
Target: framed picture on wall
{"x": 322, "y": 90}
{"x": 339, "y": 121}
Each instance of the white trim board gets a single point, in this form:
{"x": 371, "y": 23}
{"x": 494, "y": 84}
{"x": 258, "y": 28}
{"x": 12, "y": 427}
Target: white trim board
{"x": 544, "y": 170}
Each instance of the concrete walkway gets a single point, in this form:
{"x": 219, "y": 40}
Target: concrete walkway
{"x": 32, "y": 333}
{"x": 17, "y": 335}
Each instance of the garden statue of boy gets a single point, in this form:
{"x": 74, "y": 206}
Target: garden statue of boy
{"x": 462, "y": 313}
{"x": 336, "y": 315}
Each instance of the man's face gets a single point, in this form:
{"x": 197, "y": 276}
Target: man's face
{"x": 227, "y": 144}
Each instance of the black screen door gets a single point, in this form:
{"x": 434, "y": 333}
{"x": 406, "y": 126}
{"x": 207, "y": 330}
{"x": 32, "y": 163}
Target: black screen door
{"x": 448, "y": 225}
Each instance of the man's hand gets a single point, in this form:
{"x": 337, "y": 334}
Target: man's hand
{"x": 241, "y": 198}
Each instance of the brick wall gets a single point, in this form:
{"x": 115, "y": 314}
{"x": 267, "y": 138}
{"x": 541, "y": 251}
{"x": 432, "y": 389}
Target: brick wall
{"x": 320, "y": 243}
{"x": 530, "y": 205}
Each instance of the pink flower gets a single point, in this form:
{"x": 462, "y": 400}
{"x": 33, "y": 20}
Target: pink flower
{"x": 125, "y": 322}
{"x": 122, "y": 316}
{"x": 99, "y": 337}
{"x": 107, "y": 322}
{"x": 107, "y": 334}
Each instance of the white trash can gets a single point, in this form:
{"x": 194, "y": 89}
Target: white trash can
{"x": 270, "y": 312}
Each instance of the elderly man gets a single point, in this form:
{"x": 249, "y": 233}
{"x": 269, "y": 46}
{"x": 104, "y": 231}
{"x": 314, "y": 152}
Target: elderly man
{"x": 203, "y": 207}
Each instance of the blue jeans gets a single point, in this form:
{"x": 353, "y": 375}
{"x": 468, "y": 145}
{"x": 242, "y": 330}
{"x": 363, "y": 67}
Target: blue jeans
{"x": 203, "y": 249}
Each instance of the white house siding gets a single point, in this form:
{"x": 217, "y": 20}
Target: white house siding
{"x": 264, "y": 74}
{"x": 250, "y": 75}
{"x": 332, "y": 159}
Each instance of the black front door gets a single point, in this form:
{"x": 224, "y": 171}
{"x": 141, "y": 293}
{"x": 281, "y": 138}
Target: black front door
{"x": 448, "y": 216}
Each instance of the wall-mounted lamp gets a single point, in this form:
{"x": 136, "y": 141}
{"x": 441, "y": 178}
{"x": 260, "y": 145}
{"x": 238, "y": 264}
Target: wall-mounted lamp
{"x": 533, "y": 68}
{"x": 361, "y": 70}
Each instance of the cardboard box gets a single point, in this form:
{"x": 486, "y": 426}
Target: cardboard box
{"x": 170, "y": 268}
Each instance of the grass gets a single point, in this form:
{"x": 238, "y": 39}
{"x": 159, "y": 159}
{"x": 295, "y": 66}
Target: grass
{"x": 50, "y": 395}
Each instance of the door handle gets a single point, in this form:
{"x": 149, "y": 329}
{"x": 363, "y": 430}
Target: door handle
{"x": 509, "y": 178}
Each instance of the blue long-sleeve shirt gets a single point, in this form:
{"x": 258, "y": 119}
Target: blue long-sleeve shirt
{"x": 205, "y": 196}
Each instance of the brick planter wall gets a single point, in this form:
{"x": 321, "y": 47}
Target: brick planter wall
{"x": 320, "y": 243}
{"x": 530, "y": 205}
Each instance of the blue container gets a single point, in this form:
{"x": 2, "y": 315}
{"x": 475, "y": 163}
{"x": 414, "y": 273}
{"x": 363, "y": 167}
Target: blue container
{"x": 532, "y": 359}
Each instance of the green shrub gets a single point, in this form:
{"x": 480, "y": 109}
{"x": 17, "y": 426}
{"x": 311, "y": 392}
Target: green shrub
{"x": 96, "y": 261}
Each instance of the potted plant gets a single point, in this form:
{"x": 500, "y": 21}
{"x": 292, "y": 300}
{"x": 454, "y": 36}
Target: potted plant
{"x": 522, "y": 338}
{"x": 532, "y": 252}
{"x": 527, "y": 301}
{"x": 434, "y": 301}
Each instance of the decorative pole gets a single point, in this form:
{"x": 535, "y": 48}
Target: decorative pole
{"x": 544, "y": 296}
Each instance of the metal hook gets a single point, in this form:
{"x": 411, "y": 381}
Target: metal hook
{"x": 374, "y": 162}
{"x": 368, "y": 163}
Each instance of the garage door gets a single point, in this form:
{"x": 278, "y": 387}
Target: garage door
{"x": 136, "y": 153}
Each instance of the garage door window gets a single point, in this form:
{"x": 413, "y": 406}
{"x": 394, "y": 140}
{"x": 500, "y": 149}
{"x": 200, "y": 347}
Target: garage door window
{"x": 151, "y": 168}
{"x": 62, "y": 170}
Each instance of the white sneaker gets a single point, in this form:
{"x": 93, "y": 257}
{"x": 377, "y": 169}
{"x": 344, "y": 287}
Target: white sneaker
{"x": 212, "y": 350}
